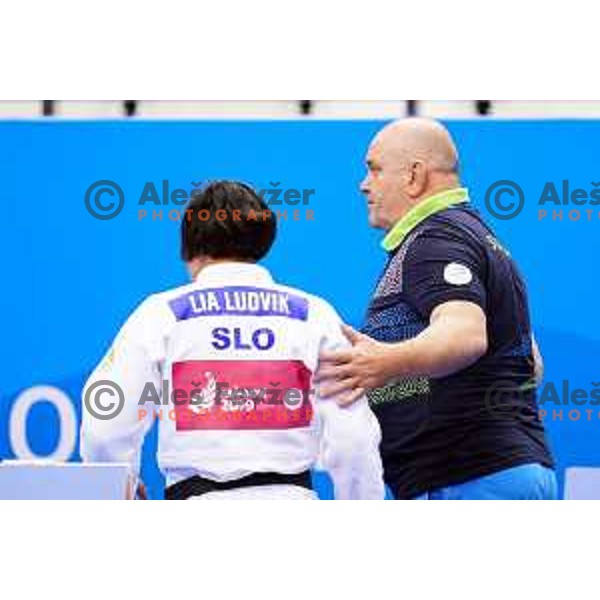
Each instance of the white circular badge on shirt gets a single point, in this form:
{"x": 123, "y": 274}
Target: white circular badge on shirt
{"x": 457, "y": 274}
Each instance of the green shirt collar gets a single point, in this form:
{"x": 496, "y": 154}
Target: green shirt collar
{"x": 420, "y": 212}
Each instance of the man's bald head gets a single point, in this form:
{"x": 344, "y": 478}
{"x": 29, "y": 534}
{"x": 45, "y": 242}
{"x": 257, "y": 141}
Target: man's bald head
{"x": 408, "y": 160}
{"x": 419, "y": 139}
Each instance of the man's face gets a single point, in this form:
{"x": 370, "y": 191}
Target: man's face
{"x": 385, "y": 187}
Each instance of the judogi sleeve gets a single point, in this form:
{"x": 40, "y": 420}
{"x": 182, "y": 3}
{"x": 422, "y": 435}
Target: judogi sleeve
{"x": 350, "y": 436}
{"x": 131, "y": 367}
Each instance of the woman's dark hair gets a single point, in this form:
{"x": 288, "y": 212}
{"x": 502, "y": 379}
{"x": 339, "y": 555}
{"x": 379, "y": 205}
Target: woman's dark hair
{"x": 227, "y": 219}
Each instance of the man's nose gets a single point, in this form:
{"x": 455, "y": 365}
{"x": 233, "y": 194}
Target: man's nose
{"x": 364, "y": 185}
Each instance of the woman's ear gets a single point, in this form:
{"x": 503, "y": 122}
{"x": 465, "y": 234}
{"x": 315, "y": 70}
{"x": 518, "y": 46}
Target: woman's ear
{"x": 195, "y": 265}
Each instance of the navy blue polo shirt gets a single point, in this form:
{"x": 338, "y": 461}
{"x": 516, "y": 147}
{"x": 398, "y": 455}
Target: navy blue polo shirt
{"x": 444, "y": 431}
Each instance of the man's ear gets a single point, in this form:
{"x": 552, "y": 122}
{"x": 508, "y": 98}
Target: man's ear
{"x": 419, "y": 178}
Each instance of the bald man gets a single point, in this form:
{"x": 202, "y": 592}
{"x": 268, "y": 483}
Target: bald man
{"x": 446, "y": 354}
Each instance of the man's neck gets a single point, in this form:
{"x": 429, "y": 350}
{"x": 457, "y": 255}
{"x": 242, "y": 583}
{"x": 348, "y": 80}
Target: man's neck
{"x": 420, "y": 211}
{"x": 447, "y": 184}
{"x": 432, "y": 190}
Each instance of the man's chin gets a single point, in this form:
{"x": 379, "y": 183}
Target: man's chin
{"x": 374, "y": 222}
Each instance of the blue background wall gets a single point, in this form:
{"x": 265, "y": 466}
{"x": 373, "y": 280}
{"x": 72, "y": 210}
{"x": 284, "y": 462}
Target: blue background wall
{"x": 69, "y": 280}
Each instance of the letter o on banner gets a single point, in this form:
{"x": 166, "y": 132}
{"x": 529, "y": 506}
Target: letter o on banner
{"x": 17, "y": 429}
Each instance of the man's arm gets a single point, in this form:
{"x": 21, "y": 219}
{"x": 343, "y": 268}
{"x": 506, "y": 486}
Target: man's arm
{"x": 443, "y": 274}
{"x": 125, "y": 372}
{"x": 455, "y": 338}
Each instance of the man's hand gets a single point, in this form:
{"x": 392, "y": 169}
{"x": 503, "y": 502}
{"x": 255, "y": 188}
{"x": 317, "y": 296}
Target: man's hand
{"x": 348, "y": 373}
{"x": 455, "y": 338}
